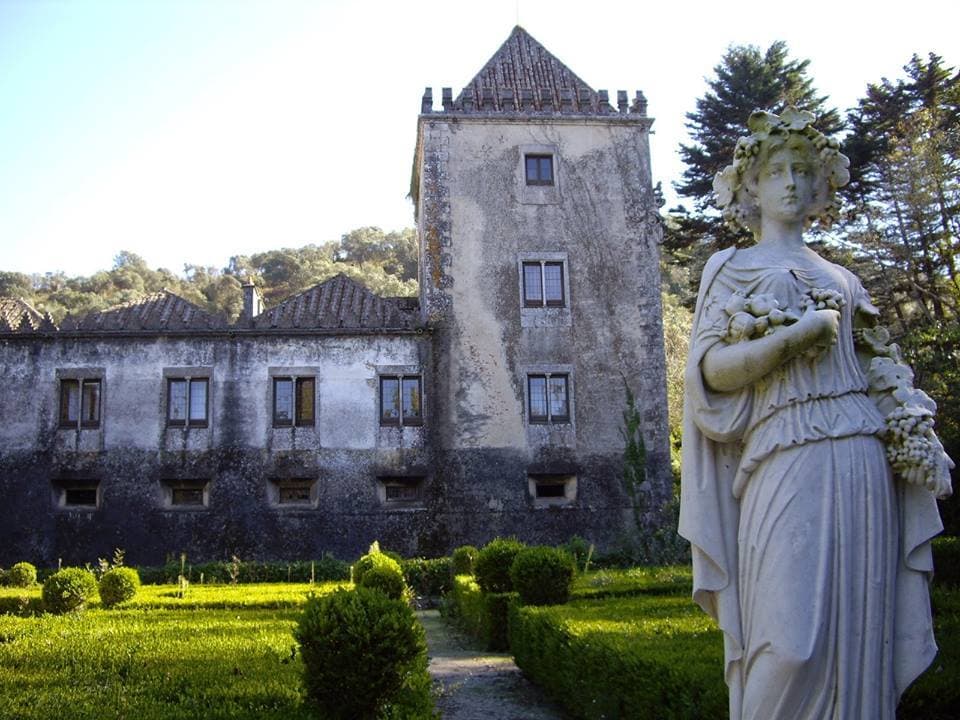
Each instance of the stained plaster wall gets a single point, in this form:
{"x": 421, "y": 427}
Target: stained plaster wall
{"x": 133, "y": 451}
{"x": 478, "y": 221}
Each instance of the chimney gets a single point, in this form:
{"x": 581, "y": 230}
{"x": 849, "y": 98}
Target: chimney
{"x": 252, "y": 301}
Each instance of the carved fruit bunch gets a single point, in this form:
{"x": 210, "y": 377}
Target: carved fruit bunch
{"x": 913, "y": 448}
{"x": 753, "y": 316}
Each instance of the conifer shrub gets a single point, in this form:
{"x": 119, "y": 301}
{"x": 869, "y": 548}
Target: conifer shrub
{"x": 492, "y": 567}
{"x": 23, "y": 574}
{"x": 118, "y": 585}
{"x": 68, "y": 589}
{"x": 384, "y": 578}
{"x": 463, "y": 560}
{"x": 363, "y": 654}
{"x": 542, "y": 575}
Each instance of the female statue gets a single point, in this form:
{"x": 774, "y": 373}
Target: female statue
{"x": 811, "y": 554}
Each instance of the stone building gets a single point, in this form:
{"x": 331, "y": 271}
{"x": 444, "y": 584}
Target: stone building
{"x": 491, "y": 405}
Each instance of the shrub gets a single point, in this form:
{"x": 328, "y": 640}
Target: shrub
{"x": 23, "y": 574}
{"x": 492, "y": 567}
{"x": 385, "y": 579}
{"x": 68, "y": 589}
{"x": 946, "y": 561}
{"x": 598, "y": 661}
{"x": 118, "y": 585}
{"x": 463, "y": 560}
{"x": 482, "y": 615}
{"x": 372, "y": 560}
{"x": 362, "y": 652}
{"x": 542, "y": 575}
{"x": 427, "y": 578}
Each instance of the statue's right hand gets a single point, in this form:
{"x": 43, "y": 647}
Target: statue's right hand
{"x": 819, "y": 328}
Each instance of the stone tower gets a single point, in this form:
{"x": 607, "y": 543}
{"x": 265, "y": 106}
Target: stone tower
{"x": 539, "y": 276}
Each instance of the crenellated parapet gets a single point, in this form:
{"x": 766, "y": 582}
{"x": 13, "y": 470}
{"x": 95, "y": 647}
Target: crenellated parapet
{"x": 550, "y": 101}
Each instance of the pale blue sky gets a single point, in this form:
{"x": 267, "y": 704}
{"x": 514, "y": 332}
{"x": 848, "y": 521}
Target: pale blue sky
{"x": 192, "y": 131}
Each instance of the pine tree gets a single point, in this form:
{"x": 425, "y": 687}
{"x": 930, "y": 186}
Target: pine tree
{"x": 747, "y": 79}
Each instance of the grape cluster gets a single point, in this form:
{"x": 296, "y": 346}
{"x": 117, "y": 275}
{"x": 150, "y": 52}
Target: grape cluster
{"x": 822, "y": 299}
{"x": 911, "y": 443}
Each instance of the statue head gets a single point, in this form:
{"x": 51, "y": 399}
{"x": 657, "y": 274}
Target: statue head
{"x": 736, "y": 186}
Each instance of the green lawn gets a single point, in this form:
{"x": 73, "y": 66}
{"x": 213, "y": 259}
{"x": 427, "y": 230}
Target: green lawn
{"x": 158, "y": 657}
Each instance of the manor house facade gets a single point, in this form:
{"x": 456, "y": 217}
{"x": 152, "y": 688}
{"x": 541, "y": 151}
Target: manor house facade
{"x": 492, "y": 404}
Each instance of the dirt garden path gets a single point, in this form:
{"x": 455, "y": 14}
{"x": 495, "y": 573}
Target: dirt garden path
{"x": 479, "y": 685}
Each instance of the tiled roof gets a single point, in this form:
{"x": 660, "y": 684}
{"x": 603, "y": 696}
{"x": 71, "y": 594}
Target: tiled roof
{"x": 18, "y": 316}
{"x": 161, "y": 311}
{"x": 340, "y": 303}
{"x": 523, "y": 76}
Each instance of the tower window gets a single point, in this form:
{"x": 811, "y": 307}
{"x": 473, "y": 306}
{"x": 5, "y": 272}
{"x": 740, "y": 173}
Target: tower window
{"x": 548, "y": 398}
{"x": 543, "y": 284}
{"x": 539, "y": 169}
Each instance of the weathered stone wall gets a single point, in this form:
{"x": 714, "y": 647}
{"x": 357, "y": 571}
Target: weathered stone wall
{"x": 478, "y": 221}
{"x": 133, "y": 451}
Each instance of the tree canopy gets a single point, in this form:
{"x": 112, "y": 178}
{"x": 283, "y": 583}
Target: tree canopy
{"x": 386, "y": 262}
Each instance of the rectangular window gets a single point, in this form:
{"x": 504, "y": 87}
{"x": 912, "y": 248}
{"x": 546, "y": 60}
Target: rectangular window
{"x": 401, "y": 490}
{"x": 548, "y": 490}
{"x": 539, "y": 169}
{"x": 294, "y": 493}
{"x": 401, "y": 400}
{"x": 294, "y": 401}
{"x": 187, "y": 401}
{"x": 80, "y": 497}
{"x": 80, "y": 403}
{"x": 186, "y": 496}
{"x": 548, "y": 398}
{"x": 543, "y": 284}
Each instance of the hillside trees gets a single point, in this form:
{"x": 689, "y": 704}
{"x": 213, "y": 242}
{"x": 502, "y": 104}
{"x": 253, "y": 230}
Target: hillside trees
{"x": 386, "y": 262}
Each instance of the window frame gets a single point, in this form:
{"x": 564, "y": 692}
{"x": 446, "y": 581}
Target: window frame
{"x": 549, "y": 418}
{"x": 187, "y": 420}
{"x": 543, "y": 301}
{"x": 567, "y": 481}
{"x": 414, "y": 483}
{"x": 79, "y": 382}
{"x": 403, "y": 418}
{"x": 277, "y": 485}
{"x": 541, "y": 160}
{"x": 64, "y": 487}
{"x": 298, "y": 419}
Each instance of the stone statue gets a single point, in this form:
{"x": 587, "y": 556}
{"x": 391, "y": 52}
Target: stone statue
{"x": 810, "y": 466}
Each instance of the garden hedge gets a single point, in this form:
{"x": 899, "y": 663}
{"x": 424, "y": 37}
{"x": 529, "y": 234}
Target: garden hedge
{"x": 482, "y": 615}
{"x": 617, "y": 659}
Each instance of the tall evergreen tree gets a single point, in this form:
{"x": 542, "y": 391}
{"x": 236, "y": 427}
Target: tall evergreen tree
{"x": 746, "y": 79}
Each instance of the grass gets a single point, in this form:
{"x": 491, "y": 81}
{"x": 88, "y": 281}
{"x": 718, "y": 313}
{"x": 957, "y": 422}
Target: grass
{"x": 266, "y": 596}
{"x": 221, "y": 652}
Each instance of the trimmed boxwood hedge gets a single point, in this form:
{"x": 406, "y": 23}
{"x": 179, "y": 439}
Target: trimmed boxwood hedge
{"x": 427, "y": 577}
{"x": 644, "y": 658}
{"x": 482, "y": 615}
{"x": 946, "y": 561}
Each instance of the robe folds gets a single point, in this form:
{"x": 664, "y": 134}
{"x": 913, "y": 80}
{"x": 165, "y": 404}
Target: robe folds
{"x": 814, "y": 561}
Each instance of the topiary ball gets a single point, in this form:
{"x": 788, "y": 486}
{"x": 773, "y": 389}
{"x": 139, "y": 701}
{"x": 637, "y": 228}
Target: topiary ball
{"x": 118, "y": 585}
{"x": 542, "y": 575}
{"x": 371, "y": 560}
{"x": 492, "y": 567}
{"x": 463, "y": 559}
{"x": 386, "y": 580}
{"x": 68, "y": 590}
{"x": 359, "y": 648}
{"x": 23, "y": 574}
